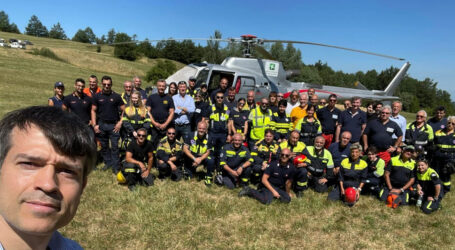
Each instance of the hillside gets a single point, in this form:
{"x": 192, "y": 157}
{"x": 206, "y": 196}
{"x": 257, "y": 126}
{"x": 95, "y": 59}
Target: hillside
{"x": 27, "y": 79}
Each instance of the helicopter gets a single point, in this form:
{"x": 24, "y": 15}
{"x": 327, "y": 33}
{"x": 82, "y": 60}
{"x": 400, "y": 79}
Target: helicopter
{"x": 266, "y": 75}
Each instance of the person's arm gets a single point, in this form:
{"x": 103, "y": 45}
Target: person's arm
{"x": 129, "y": 158}
{"x": 64, "y": 107}
{"x": 231, "y": 128}
{"x": 365, "y": 142}
{"x": 191, "y": 107}
{"x": 245, "y": 129}
{"x": 437, "y": 191}
{"x": 363, "y": 128}
{"x": 96, "y": 127}
{"x": 150, "y": 161}
{"x": 288, "y": 186}
{"x": 408, "y": 184}
{"x": 169, "y": 118}
{"x": 265, "y": 181}
{"x": 387, "y": 179}
{"x": 337, "y": 133}
{"x": 50, "y": 102}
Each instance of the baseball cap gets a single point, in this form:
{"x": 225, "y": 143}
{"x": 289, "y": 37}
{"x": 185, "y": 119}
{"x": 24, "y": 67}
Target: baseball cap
{"x": 409, "y": 148}
{"x": 59, "y": 84}
{"x": 192, "y": 78}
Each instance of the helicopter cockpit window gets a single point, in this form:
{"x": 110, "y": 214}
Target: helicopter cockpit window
{"x": 202, "y": 77}
{"x": 216, "y": 77}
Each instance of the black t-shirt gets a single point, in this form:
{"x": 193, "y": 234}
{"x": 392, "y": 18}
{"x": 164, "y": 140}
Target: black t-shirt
{"x": 160, "y": 106}
{"x": 140, "y": 153}
{"x": 380, "y": 135}
{"x": 328, "y": 119}
{"x": 278, "y": 175}
{"x": 202, "y": 109}
{"x": 80, "y": 106}
{"x": 108, "y": 106}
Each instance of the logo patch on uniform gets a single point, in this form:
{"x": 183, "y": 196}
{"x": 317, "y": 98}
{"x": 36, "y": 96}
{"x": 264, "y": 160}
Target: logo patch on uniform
{"x": 193, "y": 142}
{"x": 198, "y": 111}
{"x": 101, "y": 100}
{"x": 276, "y": 174}
{"x": 287, "y": 119}
{"x": 443, "y": 126}
{"x": 112, "y": 99}
{"x": 390, "y": 130}
{"x": 244, "y": 117}
{"x": 165, "y": 102}
{"x": 334, "y": 116}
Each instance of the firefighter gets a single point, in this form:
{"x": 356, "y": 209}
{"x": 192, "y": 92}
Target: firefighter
{"x": 375, "y": 174}
{"x": 419, "y": 133}
{"x": 319, "y": 165}
{"x": 281, "y": 122}
{"x": 135, "y": 116}
{"x": 428, "y": 187}
{"x": 260, "y": 118}
{"x": 197, "y": 150}
{"x": 444, "y": 156}
{"x": 238, "y": 119}
{"x": 264, "y": 152}
{"x": 308, "y": 126}
{"x": 218, "y": 131}
{"x": 169, "y": 155}
{"x": 235, "y": 163}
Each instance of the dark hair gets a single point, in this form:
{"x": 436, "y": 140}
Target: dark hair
{"x": 231, "y": 89}
{"x": 241, "y": 99}
{"x": 220, "y": 92}
{"x": 106, "y": 78}
{"x": 440, "y": 108}
{"x": 310, "y": 106}
{"x": 94, "y": 76}
{"x": 182, "y": 82}
{"x": 283, "y": 102}
{"x": 273, "y": 93}
{"x": 269, "y": 131}
{"x": 67, "y": 134}
{"x": 142, "y": 129}
{"x": 372, "y": 149}
{"x": 169, "y": 87}
{"x": 80, "y": 80}
{"x": 333, "y": 95}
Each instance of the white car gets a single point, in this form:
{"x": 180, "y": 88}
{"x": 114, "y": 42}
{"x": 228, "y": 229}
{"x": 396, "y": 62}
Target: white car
{"x": 16, "y": 45}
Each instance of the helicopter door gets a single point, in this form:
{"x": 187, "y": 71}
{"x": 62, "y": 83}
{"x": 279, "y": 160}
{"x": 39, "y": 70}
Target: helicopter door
{"x": 244, "y": 84}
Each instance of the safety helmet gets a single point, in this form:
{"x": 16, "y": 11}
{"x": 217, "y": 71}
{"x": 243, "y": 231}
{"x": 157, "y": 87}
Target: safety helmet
{"x": 120, "y": 178}
{"x": 350, "y": 196}
{"x": 393, "y": 200}
{"x": 245, "y": 144}
{"x": 299, "y": 159}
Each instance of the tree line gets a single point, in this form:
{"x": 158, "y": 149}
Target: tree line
{"x": 415, "y": 94}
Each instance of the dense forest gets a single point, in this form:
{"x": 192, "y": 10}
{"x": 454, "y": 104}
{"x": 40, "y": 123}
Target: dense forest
{"x": 415, "y": 94}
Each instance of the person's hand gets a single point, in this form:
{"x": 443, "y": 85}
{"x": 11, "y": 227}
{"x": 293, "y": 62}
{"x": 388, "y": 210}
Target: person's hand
{"x": 264, "y": 165}
{"x": 173, "y": 167}
{"x": 322, "y": 181}
{"x": 293, "y": 154}
{"x": 197, "y": 161}
{"x": 142, "y": 166}
{"x": 135, "y": 134}
{"x": 229, "y": 138}
{"x": 336, "y": 170}
{"x": 395, "y": 190}
{"x": 97, "y": 129}
{"x": 145, "y": 173}
{"x": 391, "y": 149}
{"x": 420, "y": 192}
{"x": 234, "y": 173}
{"x": 301, "y": 165}
{"x": 117, "y": 127}
{"x": 357, "y": 195}
{"x": 430, "y": 198}
{"x": 342, "y": 191}
{"x": 276, "y": 194}
{"x": 239, "y": 171}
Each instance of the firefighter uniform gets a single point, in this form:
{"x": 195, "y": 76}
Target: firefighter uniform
{"x": 428, "y": 181}
{"x": 260, "y": 121}
{"x": 239, "y": 117}
{"x": 126, "y": 98}
{"x": 134, "y": 119}
{"x": 218, "y": 130}
{"x": 320, "y": 165}
{"x": 235, "y": 158}
{"x": 301, "y": 175}
{"x": 375, "y": 175}
{"x": 165, "y": 151}
{"x": 262, "y": 153}
{"x": 400, "y": 174}
{"x": 444, "y": 157}
{"x": 198, "y": 147}
{"x": 351, "y": 174}
{"x": 281, "y": 125}
{"x": 308, "y": 130}
{"x": 421, "y": 138}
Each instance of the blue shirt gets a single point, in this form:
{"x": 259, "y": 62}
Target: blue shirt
{"x": 380, "y": 135}
{"x": 352, "y": 123}
{"x": 401, "y": 121}
{"x": 338, "y": 153}
{"x": 184, "y": 102}
{"x": 328, "y": 119}
{"x": 437, "y": 125}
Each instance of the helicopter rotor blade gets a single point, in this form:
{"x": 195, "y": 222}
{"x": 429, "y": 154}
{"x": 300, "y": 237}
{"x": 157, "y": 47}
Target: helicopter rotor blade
{"x": 336, "y": 47}
{"x": 264, "y": 52}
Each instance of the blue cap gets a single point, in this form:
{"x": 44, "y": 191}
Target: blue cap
{"x": 59, "y": 84}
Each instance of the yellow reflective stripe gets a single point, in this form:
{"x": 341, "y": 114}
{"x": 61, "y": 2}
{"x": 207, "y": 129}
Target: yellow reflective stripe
{"x": 244, "y": 179}
{"x": 230, "y": 152}
{"x": 242, "y": 153}
{"x": 223, "y": 163}
{"x": 429, "y": 205}
{"x": 445, "y": 146}
{"x": 447, "y": 183}
{"x": 302, "y": 184}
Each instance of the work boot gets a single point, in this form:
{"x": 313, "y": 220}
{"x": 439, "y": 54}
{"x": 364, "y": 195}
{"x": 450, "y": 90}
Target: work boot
{"x": 208, "y": 181}
{"x": 299, "y": 194}
{"x": 245, "y": 191}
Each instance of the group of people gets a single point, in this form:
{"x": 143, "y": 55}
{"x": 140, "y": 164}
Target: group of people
{"x": 282, "y": 146}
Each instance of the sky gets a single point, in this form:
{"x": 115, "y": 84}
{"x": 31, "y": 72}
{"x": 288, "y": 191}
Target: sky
{"x": 422, "y": 32}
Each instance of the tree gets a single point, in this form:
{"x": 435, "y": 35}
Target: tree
{"x": 90, "y": 35}
{"x": 57, "y": 32}
{"x": 36, "y": 28}
{"x": 125, "y": 51}
{"x": 212, "y": 53}
{"x": 110, "y": 36}
{"x": 162, "y": 70}
{"x": 81, "y": 36}
{"x": 5, "y": 25}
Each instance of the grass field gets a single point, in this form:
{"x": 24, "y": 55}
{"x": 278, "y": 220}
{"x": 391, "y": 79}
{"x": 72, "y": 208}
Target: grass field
{"x": 187, "y": 215}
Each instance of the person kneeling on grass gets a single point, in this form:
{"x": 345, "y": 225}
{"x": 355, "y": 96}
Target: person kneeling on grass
{"x": 353, "y": 173}
{"x": 134, "y": 171}
{"x": 428, "y": 187}
{"x": 169, "y": 155}
{"x": 276, "y": 181}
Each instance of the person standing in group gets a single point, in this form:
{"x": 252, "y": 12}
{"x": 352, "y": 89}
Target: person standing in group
{"x": 191, "y": 90}
{"x": 172, "y": 89}
{"x": 238, "y": 119}
{"x": 92, "y": 86}
{"x": 57, "y": 99}
{"x": 201, "y": 111}
{"x": 308, "y": 126}
{"x": 260, "y": 118}
{"x": 353, "y": 120}
{"x": 184, "y": 108}
{"x": 126, "y": 95}
{"x": 399, "y": 119}
{"x": 230, "y": 101}
{"x": 223, "y": 87}
{"x": 78, "y": 102}
{"x": 250, "y": 101}
{"x": 293, "y": 101}
{"x": 137, "y": 86}
{"x": 106, "y": 122}
{"x": 300, "y": 111}
{"x": 328, "y": 116}
{"x": 281, "y": 122}
{"x": 161, "y": 107}
{"x": 218, "y": 131}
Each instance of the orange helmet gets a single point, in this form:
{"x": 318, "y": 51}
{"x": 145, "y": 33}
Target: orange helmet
{"x": 393, "y": 200}
{"x": 350, "y": 196}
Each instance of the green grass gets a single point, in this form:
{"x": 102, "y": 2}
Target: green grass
{"x": 187, "y": 215}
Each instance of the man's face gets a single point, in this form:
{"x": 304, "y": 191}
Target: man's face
{"x": 237, "y": 141}
{"x": 371, "y": 156}
{"x": 141, "y": 137}
{"x": 396, "y": 108}
{"x": 345, "y": 139}
{"x": 223, "y": 83}
{"x": 128, "y": 87}
{"x": 182, "y": 89}
{"x": 347, "y": 104}
{"x": 294, "y": 97}
{"x": 107, "y": 85}
{"x": 201, "y": 129}
{"x": 161, "y": 86}
{"x": 378, "y": 108}
{"x": 407, "y": 154}
{"x": 285, "y": 155}
{"x": 264, "y": 104}
{"x": 219, "y": 98}
{"x": 420, "y": 117}
{"x": 282, "y": 108}
{"x": 137, "y": 83}
{"x": 319, "y": 143}
{"x": 422, "y": 167}
{"x": 294, "y": 139}
{"x": 279, "y": 97}
{"x": 79, "y": 87}
{"x": 250, "y": 97}
{"x": 93, "y": 83}
{"x": 440, "y": 114}
{"x": 356, "y": 104}
{"x": 332, "y": 102}
{"x": 268, "y": 137}
{"x": 303, "y": 99}
{"x": 40, "y": 188}
{"x": 314, "y": 100}
{"x": 311, "y": 91}
{"x": 355, "y": 154}
{"x": 192, "y": 84}
{"x": 385, "y": 114}
{"x": 231, "y": 95}
{"x": 171, "y": 134}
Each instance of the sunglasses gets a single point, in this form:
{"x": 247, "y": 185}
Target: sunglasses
{"x": 219, "y": 97}
{"x": 385, "y": 113}
{"x": 332, "y": 100}
{"x": 170, "y": 133}
{"x": 420, "y": 116}
{"x": 323, "y": 103}
{"x": 451, "y": 123}
{"x": 284, "y": 155}
{"x": 241, "y": 103}
{"x": 107, "y": 85}
{"x": 279, "y": 96}
{"x": 141, "y": 135}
